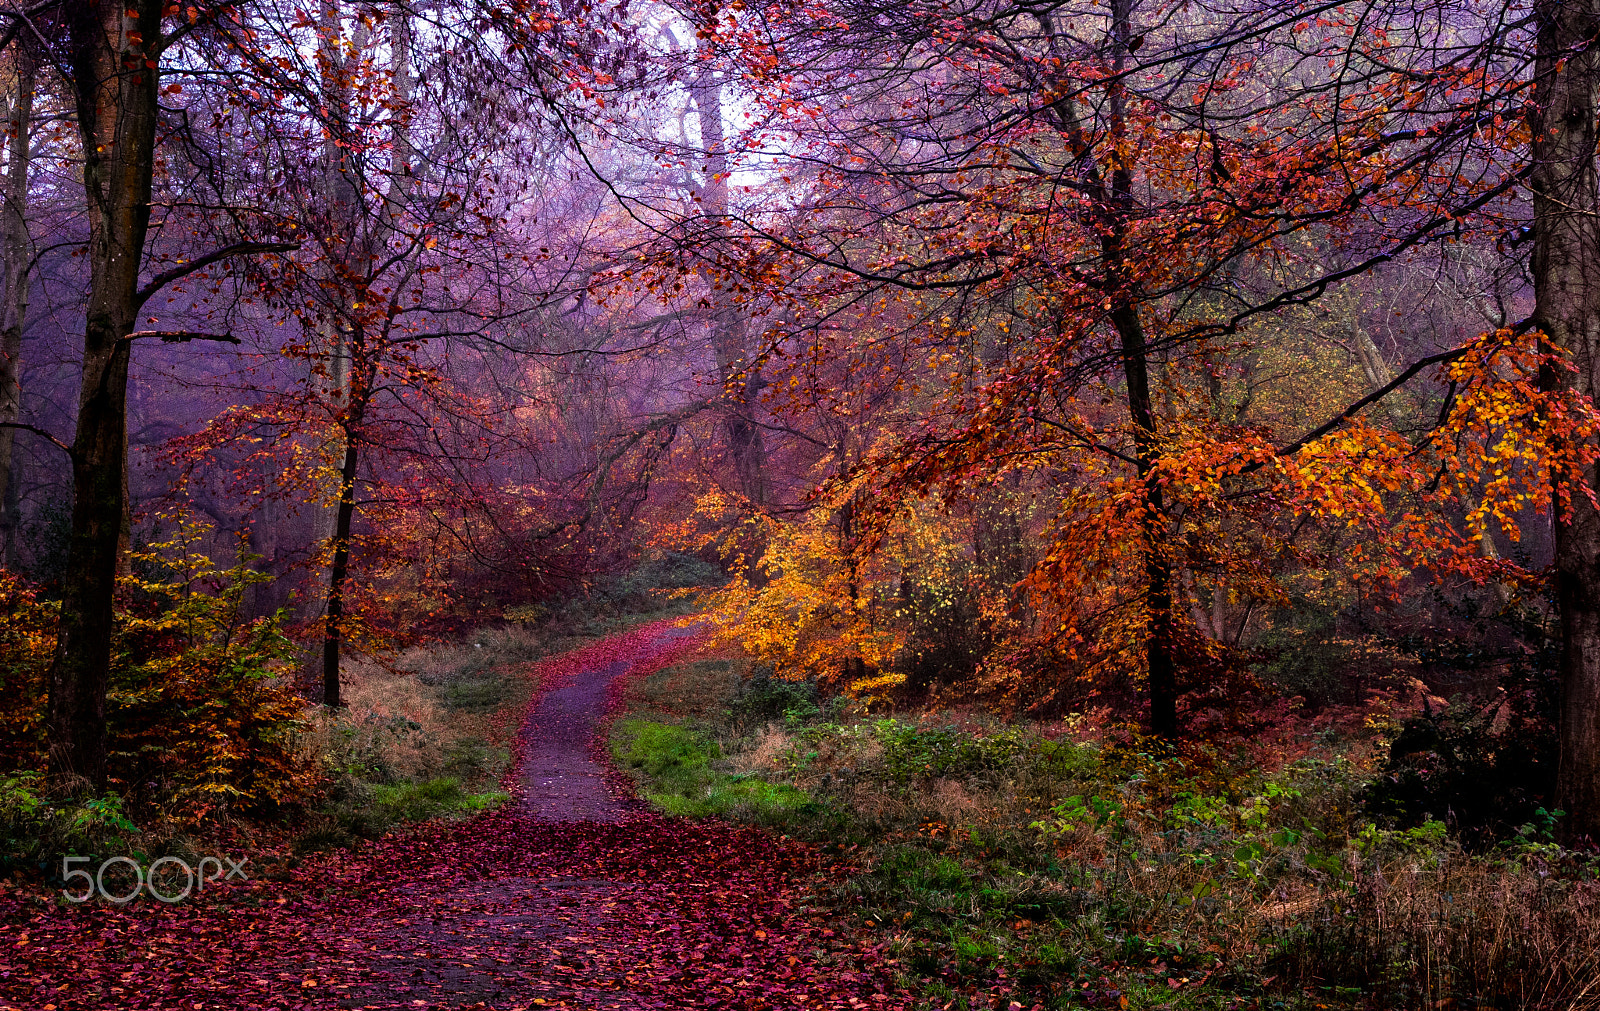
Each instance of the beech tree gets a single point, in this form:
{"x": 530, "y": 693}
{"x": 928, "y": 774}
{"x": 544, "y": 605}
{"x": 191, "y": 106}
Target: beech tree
{"x": 114, "y": 53}
{"x": 1092, "y": 214}
{"x": 16, "y": 249}
{"x": 1566, "y": 275}
{"x": 390, "y": 151}
{"x": 986, "y": 252}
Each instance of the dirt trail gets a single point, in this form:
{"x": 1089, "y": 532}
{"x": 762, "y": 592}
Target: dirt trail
{"x": 569, "y": 898}
{"x": 561, "y": 781}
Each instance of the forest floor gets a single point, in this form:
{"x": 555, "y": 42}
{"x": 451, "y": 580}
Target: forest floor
{"x": 675, "y": 828}
{"x": 570, "y": 896}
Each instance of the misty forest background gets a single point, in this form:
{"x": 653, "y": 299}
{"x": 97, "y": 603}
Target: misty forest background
{"x": 1101, "y": 433}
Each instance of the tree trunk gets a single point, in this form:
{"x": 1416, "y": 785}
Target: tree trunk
{"x": 352, "y": 368}
{"x": 740, "y": 377}
{"x": 14, "y": 275}
{"x": 1159, "y": 641}
{"x": 1566, "y": 272}
{"x": 1160, "y": 651}
{"x": 333, "y": 636}
{"x": 338, "y": 242}
{"x": 115, "y": 89}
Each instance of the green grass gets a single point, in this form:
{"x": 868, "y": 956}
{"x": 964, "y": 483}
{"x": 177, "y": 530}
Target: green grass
{"x": 676, "y": 769}
{"x": 361, "y": 810}
{"x": 482, "y": 694}
{"x": 432, "y": 798}
{"x": 1103, "y": 875}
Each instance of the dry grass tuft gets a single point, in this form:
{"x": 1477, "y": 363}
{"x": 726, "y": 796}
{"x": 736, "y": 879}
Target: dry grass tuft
{"x": 767, "y": 752}
{"x": 431, "y": 713}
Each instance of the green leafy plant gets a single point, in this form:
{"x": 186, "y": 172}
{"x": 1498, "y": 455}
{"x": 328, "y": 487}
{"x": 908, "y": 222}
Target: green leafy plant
{"x": 1073, "y": 813}
{"x": 36, "y": 828}
{"x": 910, "y": 752}
{"x": 199, "y": 711}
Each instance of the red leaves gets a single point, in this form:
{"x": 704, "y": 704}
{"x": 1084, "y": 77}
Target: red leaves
{"x": 654, "y": 912}
{"x": 646, "y": 649}
{"x": 500, "y": 912}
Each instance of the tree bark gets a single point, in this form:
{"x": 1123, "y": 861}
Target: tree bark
{"x": 1160, "y": 655}
{"x": 741, "y": 379}
{"x": 1566, "y": 272}
{"x": 333, "y": 630}
{"x": 1160, "y": 642}
{"x": 337, "y": 240}
{"x": 114, "y": 85}
{"x": 17, "y": 251}
{"x": 353, "y": 367}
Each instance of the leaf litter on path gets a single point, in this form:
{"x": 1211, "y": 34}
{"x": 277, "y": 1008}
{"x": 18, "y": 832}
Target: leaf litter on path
{"x": 513, "y": 910}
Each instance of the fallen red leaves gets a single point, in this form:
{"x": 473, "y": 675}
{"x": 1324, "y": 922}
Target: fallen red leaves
{"x": 497, "y": 912}
{"x": 647, "y": 649}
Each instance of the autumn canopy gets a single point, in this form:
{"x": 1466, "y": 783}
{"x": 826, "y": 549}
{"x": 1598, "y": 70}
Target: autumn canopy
{"x": 1068, "y": 357}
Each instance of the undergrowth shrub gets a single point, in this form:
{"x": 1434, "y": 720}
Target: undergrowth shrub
{"x": 200, "y": 710}
{"x": 659, "y": 582}
{"x": 200, "y": 715}
{"x": 670, "y": 570}
{"x": 1315, "y": 650}
{"x": 762, "y": 697}
{"x": 1484, "y": 770}
{"x": 43, "y": 544}
{"x": 948, "y": 632}
{"x": 926, "y": 611}
{"x": 35, "y": 828}
{"x": 27, "y": 640}
{"x": 1450, "y": 932}
{"x": 1203, "y": 873}
{"x": 911, "y": 752}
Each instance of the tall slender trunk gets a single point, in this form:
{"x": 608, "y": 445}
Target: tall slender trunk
{"x": 337, "y": 239}
{"x": 333, "y": 630}
{"x": 741, "y": 379}
{"x": 340, "y": 243}
{"x": 17, "y": 251}
{"x": 1566, "y": 279}
{"x": 1117, "y": 206}
{"x": 1160, "y": 653}
{"x": 116, "y": 105}
{"x": 354, "y": 352}
{"x": 1160, "y": 642}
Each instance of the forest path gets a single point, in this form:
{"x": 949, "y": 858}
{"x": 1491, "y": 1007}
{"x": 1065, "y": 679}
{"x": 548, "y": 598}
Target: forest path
{"x": 561, "y": 779}
{"x": 569, "y": 897}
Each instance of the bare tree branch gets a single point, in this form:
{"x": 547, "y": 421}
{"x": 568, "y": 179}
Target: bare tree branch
{"x": 41, "y": 433}
{"x": 166, "y": 277}
{"x": 183, "y": 336}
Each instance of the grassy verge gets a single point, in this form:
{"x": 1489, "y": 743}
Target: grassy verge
{"x": 425, "y": 737}
{"x": 430, "y": 736}
{"x": 214, "y": 751}
{"x": 679, "y": 767}
{"x": 1026, "y": 862}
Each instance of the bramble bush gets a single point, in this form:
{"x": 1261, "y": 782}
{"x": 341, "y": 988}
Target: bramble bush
{"x": 1482, "y": 769}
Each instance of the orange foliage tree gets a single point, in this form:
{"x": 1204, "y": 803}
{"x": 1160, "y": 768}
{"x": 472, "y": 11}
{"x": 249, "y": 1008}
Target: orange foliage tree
{"x": 1055, "y": 238}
